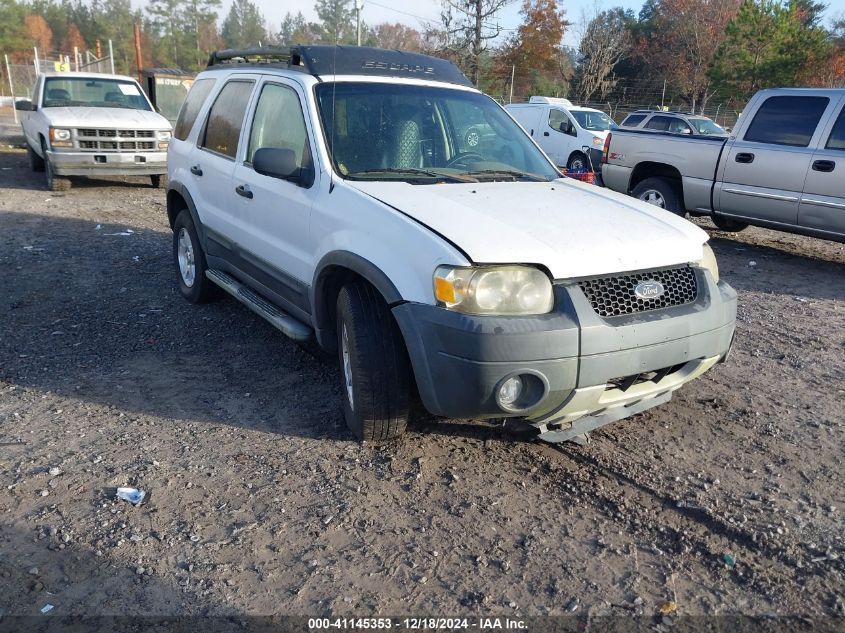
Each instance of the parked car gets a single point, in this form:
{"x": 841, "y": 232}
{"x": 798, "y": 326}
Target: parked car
{"x": 782, "y": 167}
{"x": 564, "y": 130}
{"x": 331, "y": 192}
{"x": 91, "y": 124}
{"x": 673, "y": 122}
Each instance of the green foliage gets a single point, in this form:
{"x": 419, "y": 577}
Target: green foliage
{"x": 12, "y": 33}
{"x": 337, "y": 20}
{"x": 244, "y": 25}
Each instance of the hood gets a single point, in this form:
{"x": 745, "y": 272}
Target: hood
{"x": 106, "y": 118}
{"x": 573, "y": 229}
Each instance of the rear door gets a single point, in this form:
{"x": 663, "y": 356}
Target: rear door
{"x": 527, "y": 116}
{"x": 823, "y": 202}
{"x": 764, "y": 171}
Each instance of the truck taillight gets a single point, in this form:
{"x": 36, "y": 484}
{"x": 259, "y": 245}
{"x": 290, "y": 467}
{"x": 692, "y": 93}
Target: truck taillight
{"x": 606, "y": 148}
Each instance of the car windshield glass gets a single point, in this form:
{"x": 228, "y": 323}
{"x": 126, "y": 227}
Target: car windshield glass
{"x": 706, "y": 126}
{"x": 593, "y": 121}
{"x": 424, "y": 135}
{"x": 93, "y": 92}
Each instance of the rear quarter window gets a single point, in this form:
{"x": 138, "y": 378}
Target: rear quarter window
{"x": 191, "y": 108}
{"x": 633, "y": 120}
{"x": 837, "y": 135}
{"x": 787, "y": 120}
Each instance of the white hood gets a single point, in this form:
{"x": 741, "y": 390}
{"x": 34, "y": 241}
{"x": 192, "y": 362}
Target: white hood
{"x": 127, "y": 118}
{"x": 574, "y": 229}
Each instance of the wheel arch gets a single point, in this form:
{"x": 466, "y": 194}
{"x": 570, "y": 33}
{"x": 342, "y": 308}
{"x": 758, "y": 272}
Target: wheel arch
{"x": 178, "y": 199}
{"x": 335, "y": 270}
{"x": 650, "y": 169}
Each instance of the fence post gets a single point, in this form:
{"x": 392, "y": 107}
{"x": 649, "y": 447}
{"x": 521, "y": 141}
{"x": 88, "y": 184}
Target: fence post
{"x": 11, "y": 87}
{"x": 76, "y": 58}
{"x": 111, "y": 57}
{"x": 36, "y": 62}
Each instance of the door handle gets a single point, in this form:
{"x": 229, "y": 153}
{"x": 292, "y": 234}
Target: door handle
{"x": 243, "y": 190}
{"x": 196, "y": 170}
{"x": 744, "y": 157}
{"x": 824, "y": 165}
{"x": 545, "y": 134}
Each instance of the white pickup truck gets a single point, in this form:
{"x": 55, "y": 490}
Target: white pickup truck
{"x": 91, "y": 124}
{"x": 783, "y": 167}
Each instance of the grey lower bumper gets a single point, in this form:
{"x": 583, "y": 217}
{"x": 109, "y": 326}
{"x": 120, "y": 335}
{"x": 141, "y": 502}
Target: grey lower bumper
{"x": 108, "y": 164}
{"x": 460, "y": 361}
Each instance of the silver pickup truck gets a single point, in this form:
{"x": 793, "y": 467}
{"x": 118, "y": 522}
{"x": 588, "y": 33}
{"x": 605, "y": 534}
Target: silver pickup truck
{"x": 783, "y": 167}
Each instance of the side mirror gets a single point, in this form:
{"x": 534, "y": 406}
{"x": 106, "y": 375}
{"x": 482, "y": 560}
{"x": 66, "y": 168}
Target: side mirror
{"x": 281, "y": 163}
{"x": 24, "y": 105}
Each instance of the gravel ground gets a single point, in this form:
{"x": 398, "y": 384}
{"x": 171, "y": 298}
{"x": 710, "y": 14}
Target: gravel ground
{"x": 727, "y": 500}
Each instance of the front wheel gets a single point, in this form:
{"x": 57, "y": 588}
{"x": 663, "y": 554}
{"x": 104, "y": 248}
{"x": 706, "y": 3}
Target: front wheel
{"x": 660, "y": 192}
{"x": 374, "y": 367}
{"x": 727, "y": 224}
{"x": 577, "y": 162}
{"x": 156, "y": 181}
{"x": 54, "y": 182}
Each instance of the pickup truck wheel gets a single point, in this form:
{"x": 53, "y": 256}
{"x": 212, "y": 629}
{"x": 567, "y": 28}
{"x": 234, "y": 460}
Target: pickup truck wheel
{"x": 660, "y": 192}
{"x": 727, "y": 224}
{"x": 35, "y": 161}
{"x": 54, "y": 182}
{"x": 374, "y": 367}
{"x": 157, "y": 181}
{"x": 190, "y": 262}
{"x": 577, "y": 162}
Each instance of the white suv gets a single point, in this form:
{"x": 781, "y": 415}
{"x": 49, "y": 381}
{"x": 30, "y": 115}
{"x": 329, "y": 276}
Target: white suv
{"x": 332, "y": 191}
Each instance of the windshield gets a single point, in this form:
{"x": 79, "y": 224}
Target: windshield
{"x": 424, "y": 135}
{"x": 88, "y": 91}
{"x": 706, "y": 126}
{"x": 593, "y": 121}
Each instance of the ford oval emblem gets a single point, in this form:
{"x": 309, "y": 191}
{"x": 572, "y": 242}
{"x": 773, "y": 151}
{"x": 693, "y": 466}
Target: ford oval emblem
{"x": 649, "y": 289}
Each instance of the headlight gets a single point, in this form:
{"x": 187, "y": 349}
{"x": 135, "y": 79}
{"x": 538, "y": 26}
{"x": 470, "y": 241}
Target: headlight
{"x": 709, "y": 262}
{"x": 60, "y": 137}
{"x": 164, "y": 135}
{"x": 597, "y": 140}
{"x": 493, "y": 290}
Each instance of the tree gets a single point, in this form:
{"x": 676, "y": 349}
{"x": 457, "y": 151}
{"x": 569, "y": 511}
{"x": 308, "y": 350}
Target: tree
{"x": 337, "y": 21}
{"x": 467, "y": 27}
{"x": 73, "y": 39}
{"x": 244, "y": 25}
{"x": 768, "y": 44}
{"x": 39, "y": 32}
{"x": 13, "y": 37}
{"x": 605, "y": 42}
{"x": 397, "y": 36}
{"x": 684, "y": 38}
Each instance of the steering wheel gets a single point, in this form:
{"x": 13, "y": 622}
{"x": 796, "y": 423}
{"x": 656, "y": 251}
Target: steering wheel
{"x": 457, "y": 158}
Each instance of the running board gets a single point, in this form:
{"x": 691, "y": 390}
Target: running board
{"x": 282, "y": 321}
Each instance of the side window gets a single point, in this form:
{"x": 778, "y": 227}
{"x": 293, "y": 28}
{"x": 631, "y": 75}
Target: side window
{"x": 837, "y": 136}
{"x": 558, "y": 121}
{"x": 787, "y": 120}
{"x": 279, "y": 123}
{"x": 660, "y": 123}
{"x": 633, "y": 120}
{"x": 223, "y": 128}
{"x": 191, "y": 108}
{"x": 678, "y": 126}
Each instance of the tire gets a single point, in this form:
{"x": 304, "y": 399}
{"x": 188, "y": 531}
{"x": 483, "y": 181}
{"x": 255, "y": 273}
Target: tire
{"x": 54, "y": 182}
{"x": 662, "y": 193}
{"x": 577, "y": 162}
{"x": 374, "y": 367}
{"x": 157, "y": 181}
{"x": 472, "y": 138}
{"x": 727, "y": 224}
{"x": 189, "y": 261}
{"x": 36, "y": 163}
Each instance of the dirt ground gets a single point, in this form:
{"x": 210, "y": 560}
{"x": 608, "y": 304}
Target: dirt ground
{"x": 727, "y": 500}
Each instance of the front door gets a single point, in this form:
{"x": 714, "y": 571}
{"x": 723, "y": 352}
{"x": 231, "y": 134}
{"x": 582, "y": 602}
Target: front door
{"x": 764, "y": 171}
{"x": 823, "y": 202}
{"x": 560, "y": 138}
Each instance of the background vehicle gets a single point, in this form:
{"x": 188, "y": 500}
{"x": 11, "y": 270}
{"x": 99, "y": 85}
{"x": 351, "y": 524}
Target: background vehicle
{"x": 673, "y": 122}
{"x": 783, "y": 166}
{"x": 91, "y": 124}
{"x": 331, "y": 190}
{"x": 563, "y": 130}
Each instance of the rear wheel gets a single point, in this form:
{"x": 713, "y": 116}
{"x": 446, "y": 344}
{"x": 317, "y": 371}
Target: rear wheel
{"x": 36, "y": 163}
{"x": 54, "y": 182}
{"x": 374, "y": 367}
{"x": 190, "y": 263}
{"x": 727, "y": 224}
{"x": 661, "y": 192}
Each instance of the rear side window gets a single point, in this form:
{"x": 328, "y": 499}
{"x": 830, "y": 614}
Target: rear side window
{"x": 787, "y": 120}
{"x": 223, "y": 128}
{"x": 837, "y": 136}
{"x": 633, "y": 119}
{"x": 191, "y": 108}
{"x": 661, "y": 123}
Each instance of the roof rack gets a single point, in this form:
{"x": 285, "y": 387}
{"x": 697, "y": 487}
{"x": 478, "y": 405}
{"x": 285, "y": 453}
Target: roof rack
{"x": 345, "y": 60}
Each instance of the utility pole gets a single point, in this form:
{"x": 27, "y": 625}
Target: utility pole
{"x": 359, "y": 4}
{"x": 138, "y": 59}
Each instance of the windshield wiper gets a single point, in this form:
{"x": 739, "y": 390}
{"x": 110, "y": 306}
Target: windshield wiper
{"x": 511, "y": 173}
{"x": 412, "y": 171}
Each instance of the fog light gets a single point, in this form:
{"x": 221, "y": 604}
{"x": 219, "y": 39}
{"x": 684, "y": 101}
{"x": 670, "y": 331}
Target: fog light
{"x": 510, "y": 391}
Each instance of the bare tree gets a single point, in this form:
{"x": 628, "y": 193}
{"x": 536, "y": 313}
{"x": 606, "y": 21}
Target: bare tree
{"x": 467, "y": 27}
{"x": 605, "y": 41}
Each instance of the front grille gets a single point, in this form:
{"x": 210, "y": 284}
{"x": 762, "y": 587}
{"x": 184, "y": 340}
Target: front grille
{"x": 626, "y": 382}
{"x": 95, "y": 140}
{"x": 614, "y": 296}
